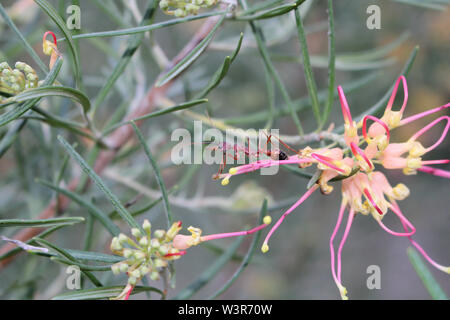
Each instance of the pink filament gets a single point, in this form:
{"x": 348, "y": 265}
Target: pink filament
{"x": 394, "y": 93}
{"x": 344, "y": 238}
{"x": 333, "y": 235}
{"x": 405, "y": 222}
{"x": 429, "y": 126}
{"x": 128, "y": 293}
{"x": 357, "y": 150}
{"x": 295, "y": 205}
{"x": 423, "y": 114}
{"x": 435, "y": 172}
{"x": 364, "y": 127}
{"x": 344, "y": 105}
{"x": 181, "y": 253}
{"x": 232, "y": 234}
{"x": 53, "y": 36}
{"x": 326, "y": 161}
{"x": 419, "y": 247}
{"x": 369, "y": 197}
{"x": 443, "y": 161}
{"x": 269, "y": 163}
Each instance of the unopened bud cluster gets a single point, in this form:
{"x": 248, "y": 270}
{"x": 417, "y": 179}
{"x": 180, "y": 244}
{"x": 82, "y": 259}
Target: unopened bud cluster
{"x": 183, "y": 8}
{"x": 146, "y": 253}
{"x": 14, "y": 81}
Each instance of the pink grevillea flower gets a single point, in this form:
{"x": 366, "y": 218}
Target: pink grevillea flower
{"x": 50, "y": 48}
{"x": 367, "y": 191}
{"x": 182, "y": 242}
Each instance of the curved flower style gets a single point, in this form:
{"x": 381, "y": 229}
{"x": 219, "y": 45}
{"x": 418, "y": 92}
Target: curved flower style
{"x": 364, "y": 190}
{"x": 148, "y": 255}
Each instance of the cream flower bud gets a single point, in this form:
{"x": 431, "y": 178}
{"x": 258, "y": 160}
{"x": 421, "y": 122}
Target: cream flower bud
{"x": 159, "y": 234}
{"x": 154, "y": 275}
{"x": 136, "y": 233}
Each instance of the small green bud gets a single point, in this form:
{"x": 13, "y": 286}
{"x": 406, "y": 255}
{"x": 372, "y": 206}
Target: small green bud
{"x": 127, "y": 253}
{"x": 4, "y": 65}
{"x": 163, "y": 250}
{"x": 139, "y": 255}
{"x": 123, "y": 267}
{"x": 154, "y": 275}
{"x": 144, "y": 270}
{"x": 180, "y": 13}
{"x": 123, "y": 238}
{"x": 159, "y": 234}
{"x": 135, "y": 274}
{"x": 160, "y": 263}
{"x": 143, "y": 242}
{"x": 155, "y": 243}
{"x": 132, "y": 280}
{"x": 115, "y": 269}
{"x": 136, "y": 233}
{"x": 147, "y": 226}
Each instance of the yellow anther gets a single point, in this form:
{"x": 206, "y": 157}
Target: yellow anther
{"x": 392, "y": 118}
{"x": 351, "y": 130}
{"x": 326, "y": 188}
{"x": 267, "y": 220}
{"x": 414, "y": 163}
{"x": 232, "y": 171}
{"x": 400, "y": 192}
{"x": 264, "y": 248}
{"x": 195, "y": 236}
{"x": 343, "y": 292}
{"x": 382, "y": 142}
{"x": 225, "y": 181}
{"x": 409, "y": 171}
{"x": 417, "y": 150}
{"x": 47, "y": 47}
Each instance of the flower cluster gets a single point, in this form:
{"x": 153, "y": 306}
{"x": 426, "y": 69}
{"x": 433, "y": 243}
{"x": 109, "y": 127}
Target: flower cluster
{"x": 14, "y": 81}
{"x": 364, "y": 190}
{"x": 147, "y": 255}
{"x": 183, "y": 8}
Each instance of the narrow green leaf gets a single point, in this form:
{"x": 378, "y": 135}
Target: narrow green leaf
{"x": 48, "y": 91}
{"x": 210, "y": 272}
{"x": 40, "y": 223}
{"x": 43, "y": 234}
{"x": 222, "y": 71}
{"x": 102, "y": 293}
{"x": 158, "y": 176}
{"x": 19, "y": 110}
{"x": 191, "y": 56}
{"x": 100, "y": 184}
{"x": 82, "y": 266}
{"x": 247, "y": 258}
{"x": 11, "y": 135}
{"x": 272, "y": 12}
{"x": 331, "y": 65}
{"x": 53, "y": 14}
{"x": 92, "y": 209}
{"x": 425, "y": 275}
{"x": 310, "y": 82}
{"x": 128, "y": 31}
{"x": 68, "y": 256}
